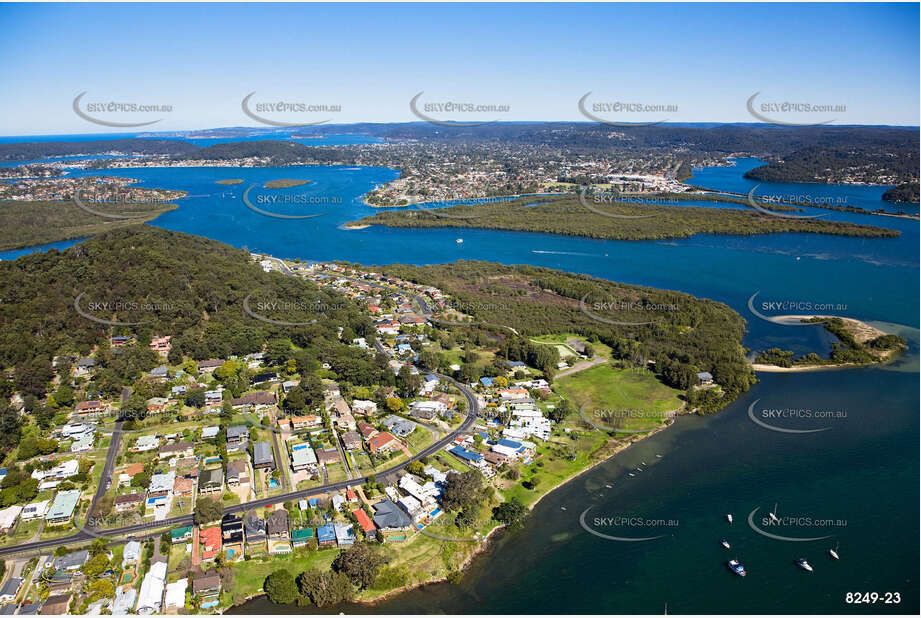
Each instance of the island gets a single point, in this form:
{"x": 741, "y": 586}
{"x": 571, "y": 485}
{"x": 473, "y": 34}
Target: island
{"x": 616, "y": 220}
{"x": 285, "y": 183}
{"x": 230, "y": 181}
{"x": 857, "y": 344}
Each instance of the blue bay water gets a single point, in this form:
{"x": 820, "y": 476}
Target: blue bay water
{"x": 864, "y": 469}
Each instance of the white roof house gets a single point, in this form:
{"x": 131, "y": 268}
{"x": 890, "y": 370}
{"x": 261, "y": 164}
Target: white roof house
{"x": 363, "y": 406}
{"x": 132, "y": 552}
{"x": 65, "y": 469}
{"x": 151, "y": 595}
{"x": 36, "y": 510}
{"x": 175, "y": 594}
{"x": 162, "y": 482}
{"x": 8, "y": 516}
{"x": 84, "y": 444}
{"x": 209, "y": 433}
{"x": 425, "y": 496}
{"x": 124, "y": 601}
{"x": 147, "y": 443}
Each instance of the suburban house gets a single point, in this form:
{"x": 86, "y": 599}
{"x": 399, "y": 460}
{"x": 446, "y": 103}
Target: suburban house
{"x": 151, "y": 595}
{"x": 705, "y": 377}
{"x": 367, "y": 430}
{"x": 351, "y": 440}
{"x": 254, "y": 527}
{"x": 207, "y": 366}
{"x": 237, "y": 474}
{"x": 345, "y": 536}
{"x": 262, "y": 456}
{"x": 211, "y": 481}
{"x": 207, "y": 587}
{"x": 177, "y": 449}
{"x": 305, "y": 422}
{"x": 181, "y": 535}
{"x": 10, "y": 589}
{"x": 161, "y": 345}
{"x": 301, "y": 536}
{"x": 276, "y": 526}
{"x": 210, "y": 539}
{"x": 260, "y": 400}
{"x": 156, "y": 405}
{"x": 237, "y": 435}
{"x": 62, "y": 509}
{"x": 389, "y": 518}
{"x": 383, "y": 443}
{"x": 232, "y": 537}
{"x": 364, "y": 407}
{"x": 56, "y": 605}
{"x": 326, "y": 536}
{"x": 90, "y": 409}
{"x": 8, "y": 517}
{"x": 36, "y": 510}
{"x": 128, "y": 502}
{"x": 303, "y": 458}
{"x": 367, "y": 526}
{"x": 327, "y": 456}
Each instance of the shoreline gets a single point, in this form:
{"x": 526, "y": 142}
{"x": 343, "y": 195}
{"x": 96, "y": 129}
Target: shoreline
{"x": 860, "y": 330}
{"x": 486, "y": 543}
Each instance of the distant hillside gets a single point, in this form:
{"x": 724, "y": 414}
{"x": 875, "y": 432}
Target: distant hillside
{"x": 867, "y": 163}
{"x": 27, "y": 151}
{"x": 906, "y": 192}
{"x": 276, "y": 152}
{"x": 186, "y": 286}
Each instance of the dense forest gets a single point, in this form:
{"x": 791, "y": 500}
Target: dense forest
{"x": 567, "y": 216}
{"x": 26, "y": 224}
{"x": 26, "y": 151}
{"x": 170, "y": 283}
{"x": 843, "y": 164}
{"x": 905, "y": 192}
{"x": 676, "y": 332}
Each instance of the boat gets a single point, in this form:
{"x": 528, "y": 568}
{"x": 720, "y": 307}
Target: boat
{"x": 729, "y": 517}
{"x": 773, "y": 514}
{"x": 736, "y": 567}
{"x": 801, "y": 563}
{"x": 659, "y": 456}
{"x": 608, "y": 486}
{"x": 631, "y": 474}
{"x": 834, "y": 552}
{"x": 563, "y": 508}
{"x": 459, "y": 240}
{"x": 724, "y": 543}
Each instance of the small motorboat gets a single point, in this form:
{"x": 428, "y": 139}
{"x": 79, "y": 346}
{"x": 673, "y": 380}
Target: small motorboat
{"x": 729, "y": 517}
{"x": 736, "y": 567}
{"x": 773, "y": 514}
{"x": 725, "y": 543}
{"x": 459, "y": 240}
{"x": 801, "y": 563}
{"x": 834, "y": 552}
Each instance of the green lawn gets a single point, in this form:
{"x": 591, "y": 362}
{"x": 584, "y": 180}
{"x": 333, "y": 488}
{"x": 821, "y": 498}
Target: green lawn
{"x": 250, "y": 574}
{"x": 625, "y": 398}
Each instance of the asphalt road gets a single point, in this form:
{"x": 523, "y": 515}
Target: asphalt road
{"x": 126, "y": 533}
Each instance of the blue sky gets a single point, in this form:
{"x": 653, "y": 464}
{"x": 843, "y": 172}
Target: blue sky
{"x": 372, "y": 58}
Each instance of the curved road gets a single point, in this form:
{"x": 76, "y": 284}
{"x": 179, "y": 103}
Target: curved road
{"x": 186, "y": 520}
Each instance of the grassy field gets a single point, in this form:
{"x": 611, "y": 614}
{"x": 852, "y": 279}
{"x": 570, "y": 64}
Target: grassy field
{"x": 624, "y": 398}
{"x": 250, "y": 574}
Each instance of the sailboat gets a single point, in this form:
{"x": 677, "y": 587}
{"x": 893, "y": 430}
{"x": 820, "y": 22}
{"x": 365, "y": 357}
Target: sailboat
{"x": 773, "y": 514}
{"x": 729, "y": 517}
{"x": 834, "y": 552}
